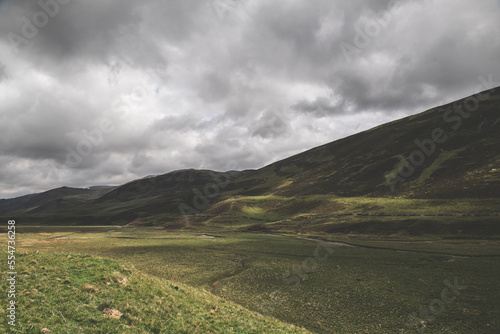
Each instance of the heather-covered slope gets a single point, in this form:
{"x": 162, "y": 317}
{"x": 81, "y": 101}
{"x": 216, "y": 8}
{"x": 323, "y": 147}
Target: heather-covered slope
{"x": 448, "y": 153}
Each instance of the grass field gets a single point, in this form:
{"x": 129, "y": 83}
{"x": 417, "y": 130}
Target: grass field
{"x": 323, "y": 287}
{"x": 84, "y": 294}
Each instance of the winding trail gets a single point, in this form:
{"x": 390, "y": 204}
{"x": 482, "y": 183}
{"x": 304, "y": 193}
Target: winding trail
{"x": 63, "y": 237}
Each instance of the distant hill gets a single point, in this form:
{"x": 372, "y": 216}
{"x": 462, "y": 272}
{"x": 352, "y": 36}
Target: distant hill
{"x": 13, "y": 204}
{"x": 58, "y": 199}
{"x": 450, "y": 152}
{"x": 158, "y": 196}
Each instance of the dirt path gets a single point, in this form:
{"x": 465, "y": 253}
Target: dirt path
{"x": 337, "y": 243}
{"x": 62, "y": 237}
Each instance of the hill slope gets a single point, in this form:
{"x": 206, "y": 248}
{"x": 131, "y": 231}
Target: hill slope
{"x": 80, "y": 293}
{"x": 450, "y": 152}
{"x": 53, "y": 198}
{"x": 447, "y": 152}
{"x": 157, "y": 197}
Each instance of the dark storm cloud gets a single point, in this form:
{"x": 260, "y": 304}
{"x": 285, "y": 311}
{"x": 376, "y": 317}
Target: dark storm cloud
{"x": 220, "y": 84}
{"x": 419, "y": 58}
{"x": 94, "y": 31}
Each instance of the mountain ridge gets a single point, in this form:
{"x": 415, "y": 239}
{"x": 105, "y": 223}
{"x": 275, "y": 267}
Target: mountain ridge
{"x": 447, "y": 152}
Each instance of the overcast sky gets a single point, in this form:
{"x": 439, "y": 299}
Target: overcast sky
{"x": 106, "y": 91}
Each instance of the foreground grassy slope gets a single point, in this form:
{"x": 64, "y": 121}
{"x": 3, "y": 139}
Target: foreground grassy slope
{"x": 73, "y": 293}
{"x": 352, "y": 290}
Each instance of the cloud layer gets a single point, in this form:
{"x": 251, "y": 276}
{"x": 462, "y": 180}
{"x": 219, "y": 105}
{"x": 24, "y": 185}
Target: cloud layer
{"x": 103, "y": 92}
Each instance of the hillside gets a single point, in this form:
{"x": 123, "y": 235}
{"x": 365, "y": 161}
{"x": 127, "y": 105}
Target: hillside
{"x": 444, "y": 156}
{"x": 465, "y": 163}
{"x": 158, "y": 196}
{"x": 81, "y": 293}
{"x": 64, "y": 197}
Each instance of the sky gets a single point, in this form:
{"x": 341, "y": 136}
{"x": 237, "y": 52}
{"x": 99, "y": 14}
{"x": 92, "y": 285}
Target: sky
{"x": 102, "y": 92}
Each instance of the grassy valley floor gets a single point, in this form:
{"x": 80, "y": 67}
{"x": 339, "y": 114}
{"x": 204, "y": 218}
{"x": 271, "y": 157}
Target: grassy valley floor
{"x": 323, "y": 287}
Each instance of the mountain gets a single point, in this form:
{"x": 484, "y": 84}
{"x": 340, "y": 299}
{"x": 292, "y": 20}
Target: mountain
{"x": 158, "y": 196}
{"x": 451, "y": 151}
{"x": 64, "y": 198}
{"x": 441, "y": 158}
{"x": 13, "y": 204}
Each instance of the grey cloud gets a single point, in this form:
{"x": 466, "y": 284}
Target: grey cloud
{"x": 214, "y": 87}
{"x": 139, "y": 160}
{"x": 84, "y": 31}
{"x": 271, "y": 123}
{"x": 40, "y": 131}
{"x": 175, "y": 21}
{"x": 183, "y": 123}
{"x": 228, "y": 64}
{"x": 322, "y": 106}
{"x": 3, "y": 72}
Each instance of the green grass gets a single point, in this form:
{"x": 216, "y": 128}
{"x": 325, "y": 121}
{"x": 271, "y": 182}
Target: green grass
{"x": 426, "y": 174}
{"x": 279, "y": 206}
{"x": 252, "y": 210}
{"x": 476, "y": 218}
{"x": 353, "y": 290}
{"x": 425, "y": 244}
{"x": 69, "y": 293}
